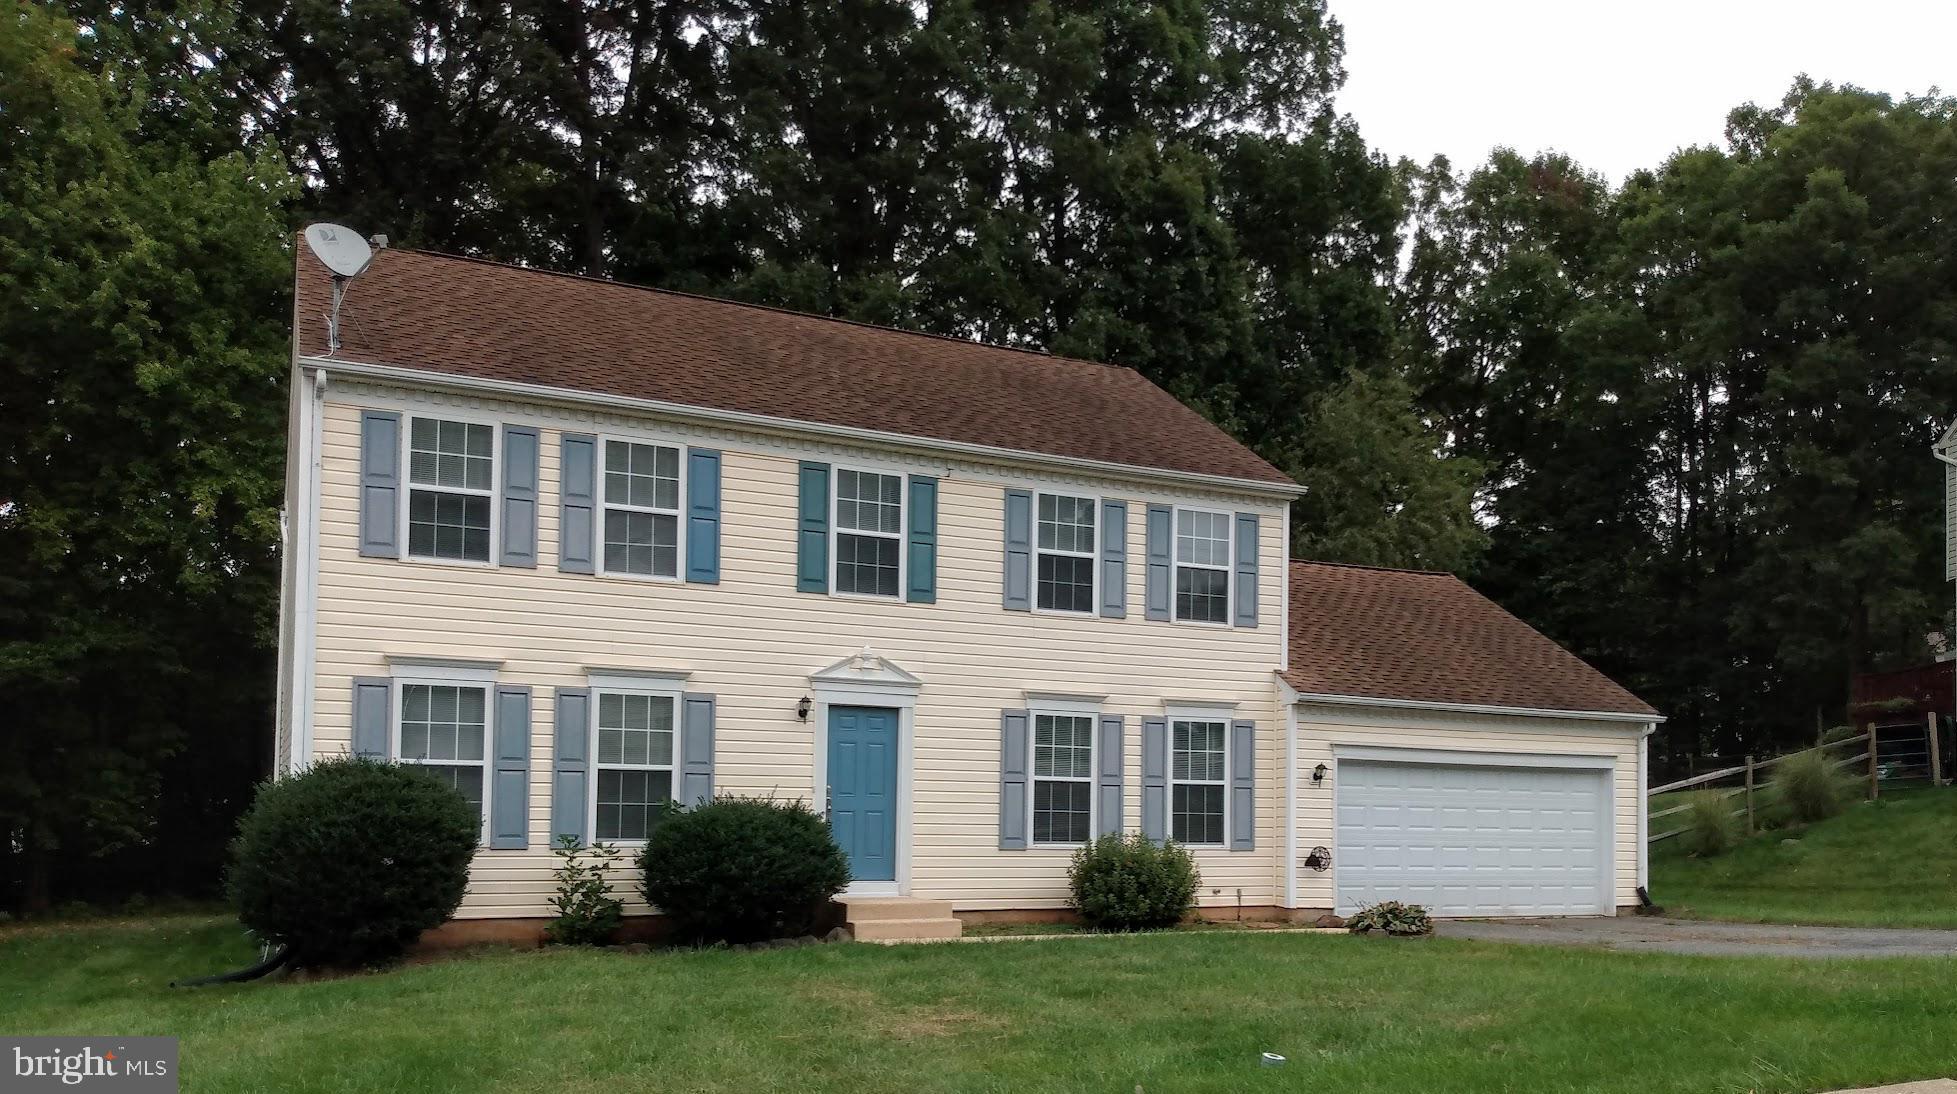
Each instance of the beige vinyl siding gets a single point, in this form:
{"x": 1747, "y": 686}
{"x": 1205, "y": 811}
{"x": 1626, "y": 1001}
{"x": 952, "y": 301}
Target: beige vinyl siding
{"x": 752, "y": 641}
{"x": 1322, "y": 728}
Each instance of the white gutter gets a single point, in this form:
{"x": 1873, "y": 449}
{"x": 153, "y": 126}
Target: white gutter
{"x": 1481, "y": 708}
{"x": 422, "y": 378}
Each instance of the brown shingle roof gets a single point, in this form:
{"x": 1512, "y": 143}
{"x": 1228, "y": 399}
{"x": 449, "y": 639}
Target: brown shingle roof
{"x": 415, "y": 309}
{"x": 1428, "y": 637}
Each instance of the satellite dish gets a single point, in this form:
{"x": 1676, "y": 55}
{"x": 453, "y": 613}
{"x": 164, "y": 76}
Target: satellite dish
{"x": 339, "y": 248}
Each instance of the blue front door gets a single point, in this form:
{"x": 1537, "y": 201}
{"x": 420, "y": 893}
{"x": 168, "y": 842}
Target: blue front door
{"x": 863, "y": 789}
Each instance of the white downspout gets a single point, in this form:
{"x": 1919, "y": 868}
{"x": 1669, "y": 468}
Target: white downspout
{"x": 1644, "y": 806}
{"x": 1949, "y": 461}
{"x": 306, "y": 634}
{"x": 1288, "y": 698}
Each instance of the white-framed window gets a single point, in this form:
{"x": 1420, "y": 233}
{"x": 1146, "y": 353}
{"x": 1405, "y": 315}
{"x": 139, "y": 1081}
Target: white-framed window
{"x": 1202, "y": 566}
{"x": 443, "y": 728}
{"x": 642, "y": 509}
{"x": 869, "y": 533}
{"x": 1063, "y": 778}
{"x": 637, "y": 738}
{"x": 1198, "y": 780}
{"x": 451, "y": 489}
{"x": 1065, "y": 550}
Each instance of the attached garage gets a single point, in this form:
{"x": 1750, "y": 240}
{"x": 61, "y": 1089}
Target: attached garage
{"x": 1442, "y": 752}
{"x": 1467, "y": 834}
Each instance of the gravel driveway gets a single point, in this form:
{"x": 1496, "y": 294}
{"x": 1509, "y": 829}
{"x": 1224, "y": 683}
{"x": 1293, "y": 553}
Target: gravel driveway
{"x": 1656, "y": 933}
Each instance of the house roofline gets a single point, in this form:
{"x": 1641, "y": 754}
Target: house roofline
{"x": 768, "y": 423}
{"x": 1632, "y": 719}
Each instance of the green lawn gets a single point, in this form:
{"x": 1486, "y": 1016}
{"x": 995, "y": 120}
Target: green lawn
{"x": 1182, "y": 1012}
{"x": 1889, "y": 863}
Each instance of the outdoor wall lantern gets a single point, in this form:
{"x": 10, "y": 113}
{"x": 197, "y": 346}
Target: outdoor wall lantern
{"x": 1318, "y": 774}
{"x": 802, "y": 708}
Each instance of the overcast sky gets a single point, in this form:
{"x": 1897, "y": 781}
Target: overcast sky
{"x": 1616, "y": 85}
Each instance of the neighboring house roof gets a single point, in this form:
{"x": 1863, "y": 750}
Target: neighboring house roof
{"x": 467, "y": 317}
{"x": 1417, "y": 636}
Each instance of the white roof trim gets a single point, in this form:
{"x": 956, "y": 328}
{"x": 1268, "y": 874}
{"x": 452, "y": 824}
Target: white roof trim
{"x": 1631, "y": 720}
{"x": 709, "y": 415}
{"x": 1471, "y": 757}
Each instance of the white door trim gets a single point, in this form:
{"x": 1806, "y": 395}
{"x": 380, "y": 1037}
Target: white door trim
{"x": 869, "y": 681}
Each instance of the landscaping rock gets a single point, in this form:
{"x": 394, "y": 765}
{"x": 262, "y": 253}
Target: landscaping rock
{"x": 1329, "y": 920}
{"x": 1789, "y": 842}
{"x": 839, "y": 934}
{"x": 638, "y": 947}
{"x": 808, "y": 940}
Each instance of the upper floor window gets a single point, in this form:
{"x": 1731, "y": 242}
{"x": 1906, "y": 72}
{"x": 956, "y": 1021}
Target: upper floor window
{"x": 869, "y": 532}
{"x": 642, "y": 509}
{"x": 1202, "y": 566}
{"x": 1065, "y": 546}
{"x": 1063, "y": 778}
{"x": 637, "y": 739}
{"x": 1198, "y": 766}
{"x": 451, "y": 479}
{"x": 442, "y": 730}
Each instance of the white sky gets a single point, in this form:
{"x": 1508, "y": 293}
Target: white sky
{"x": 1615, "y": 85}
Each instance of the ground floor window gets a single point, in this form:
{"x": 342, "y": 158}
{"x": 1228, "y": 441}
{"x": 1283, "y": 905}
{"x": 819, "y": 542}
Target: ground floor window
{"x": 636, "y": 742}
{"x": 443, "y": 727}
{"x": 1197, "y": 776}
{"x": 1063, "y": 778}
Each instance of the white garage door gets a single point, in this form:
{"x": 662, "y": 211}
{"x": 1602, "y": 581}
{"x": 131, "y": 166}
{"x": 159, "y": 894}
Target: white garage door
{"x": 1464, "y": 839}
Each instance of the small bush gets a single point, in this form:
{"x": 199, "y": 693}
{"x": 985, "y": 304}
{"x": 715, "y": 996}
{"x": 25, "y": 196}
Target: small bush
{"x": 1807, "y": 787}
{"x": 1129, "y": 883}
{"x": 347, "y": 863}
{"x": 587, "y": 913}
{"x": 1709, "y": 823}
{"x": 1393, "y": 918}
{"x": 742, "y": 870}
{"x": 1838, "y": 733}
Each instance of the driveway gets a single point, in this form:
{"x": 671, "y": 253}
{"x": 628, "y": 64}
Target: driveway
{"x": 1655, "y": 933}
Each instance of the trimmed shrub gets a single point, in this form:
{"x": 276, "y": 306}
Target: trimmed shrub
{"x": 742, "y": 870}
{"x": 1709, "y": 823}
{"x": 1129, "y": 883}
{"x": 347, "y": 863}
{"x": 1807, "y": 787}
{"x": 587, "y": 913}
{"x": 1392, "y": 917}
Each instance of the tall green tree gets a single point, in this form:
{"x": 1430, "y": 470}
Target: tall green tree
{"x": 142, "y": 307}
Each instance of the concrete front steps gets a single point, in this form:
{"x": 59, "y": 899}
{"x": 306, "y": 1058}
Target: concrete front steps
{"x": 899, "y": 919}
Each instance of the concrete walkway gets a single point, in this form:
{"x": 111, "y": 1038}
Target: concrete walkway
{"x": 1653, "y": 933}
{"x": 1928, "y": 1086}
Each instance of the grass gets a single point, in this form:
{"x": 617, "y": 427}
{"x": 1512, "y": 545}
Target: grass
{"x": 1888, "y": 863}
{"x": 1177, "y": 1012}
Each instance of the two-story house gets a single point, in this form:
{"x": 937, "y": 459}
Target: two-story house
{"x": 582, "y": 547}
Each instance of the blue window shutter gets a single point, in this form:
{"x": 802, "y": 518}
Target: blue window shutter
{"x": 373, "y": 715}
{"x": 570, "y": 788}
{"x": 519, "y": 496}
{"x": 509, "y": 792}
{"x": 703, "y": 516}
{"x": 1114, "y": 559}
{"x": 1019, "y": 551}
{"x": 1243, "y": 786}
{"x": 380, "y": 484}
{"x": 1245, "y": 598}
{"x": 1108, "y": 775}
{"x": 923, "y": 541}
{"x": 1155, "y": 779}
{"x": 696, "y": 749}
{"x": 577, "y": 490}
{"x": 812, "y": 530}
{"x": 1160, "y": 549}
{"x": 1015, "y": 755}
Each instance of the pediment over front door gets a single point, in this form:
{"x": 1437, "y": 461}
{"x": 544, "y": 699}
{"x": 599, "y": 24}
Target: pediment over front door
{"x": 867, "y": 668}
